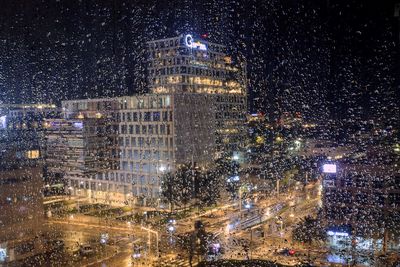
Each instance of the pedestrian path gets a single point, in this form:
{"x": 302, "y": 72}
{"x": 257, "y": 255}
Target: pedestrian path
{"x": 175, "y": 263}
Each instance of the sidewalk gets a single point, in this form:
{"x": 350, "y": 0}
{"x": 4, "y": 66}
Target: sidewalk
{"x": 90, "y": 221}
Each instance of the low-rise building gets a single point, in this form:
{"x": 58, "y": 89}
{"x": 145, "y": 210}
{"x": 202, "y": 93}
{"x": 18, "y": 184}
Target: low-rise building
{"x": 21, "y": 201}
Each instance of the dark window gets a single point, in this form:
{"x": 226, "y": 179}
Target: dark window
{"x": 147, "y": 116}
{"x": 165, "y": 116}
{"x": 156, "y": 116}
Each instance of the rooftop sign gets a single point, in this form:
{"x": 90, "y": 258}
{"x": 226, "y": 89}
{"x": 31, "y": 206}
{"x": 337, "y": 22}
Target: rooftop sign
{"x": 189, "y": 42}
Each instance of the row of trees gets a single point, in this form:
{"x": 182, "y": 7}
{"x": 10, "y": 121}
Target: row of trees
{"x": 190, "y": 184}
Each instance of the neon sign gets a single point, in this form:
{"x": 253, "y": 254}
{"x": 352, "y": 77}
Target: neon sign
{"x": 189, "y": 42}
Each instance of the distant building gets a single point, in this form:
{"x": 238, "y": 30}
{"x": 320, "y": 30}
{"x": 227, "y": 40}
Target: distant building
{"x": 21, "y": 184}
{"x": 25, "y": 124}
{"x": 196, "y": 110}
{"x": 361, "y": 200}
{"x": 22, "y": 214}
{"x": 326, "y": 148}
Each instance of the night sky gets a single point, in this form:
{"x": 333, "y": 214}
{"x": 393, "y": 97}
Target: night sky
{"x": 325, "y": 59}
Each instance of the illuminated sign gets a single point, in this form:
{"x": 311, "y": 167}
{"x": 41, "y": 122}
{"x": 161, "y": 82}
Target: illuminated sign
{"x": 3, "y": 122}
{"x": 3, "y": 254}
{"x": 329, "y": 168}
{"x": 189, "y": 42}
{"x": 332, "y": 233}
{"x": 78, "y": 125}
{"x": 233, "y": 179}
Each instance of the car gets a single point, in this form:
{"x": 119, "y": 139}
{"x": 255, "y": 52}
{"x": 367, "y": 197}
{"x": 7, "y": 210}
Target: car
{"x": 86, "y": 249}
{"x": 286, "y": 252}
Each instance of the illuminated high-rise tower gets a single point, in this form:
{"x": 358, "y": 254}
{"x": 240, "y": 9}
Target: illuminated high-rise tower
{"x": 189, "y": 65}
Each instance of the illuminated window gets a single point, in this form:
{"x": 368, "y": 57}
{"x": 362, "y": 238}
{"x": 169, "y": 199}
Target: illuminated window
{"x": 32, "y": 154}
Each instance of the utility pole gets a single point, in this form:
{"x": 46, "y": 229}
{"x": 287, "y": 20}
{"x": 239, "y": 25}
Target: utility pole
{"x": 277, "y": 187}
{"x": 251, "y": 242}
{"x": 240, "y": 201}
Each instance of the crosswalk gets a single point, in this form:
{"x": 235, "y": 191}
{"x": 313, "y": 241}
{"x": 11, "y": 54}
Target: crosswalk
{"x": 170, "y": 262}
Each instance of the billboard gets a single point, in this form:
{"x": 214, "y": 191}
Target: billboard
{"x": 329, "y": 168}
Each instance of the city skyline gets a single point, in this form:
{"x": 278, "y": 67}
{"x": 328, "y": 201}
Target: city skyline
{"x": 200, "y": 133}
{"x": 290, "y": 58}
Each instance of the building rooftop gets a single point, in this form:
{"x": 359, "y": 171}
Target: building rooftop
{"x": 193, "y": 36}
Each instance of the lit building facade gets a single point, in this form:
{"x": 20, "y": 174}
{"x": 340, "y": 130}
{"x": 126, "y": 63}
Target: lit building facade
{"x": 25, "y": 123}
{"x": 145, "y": 136}
{"x": 196, "y": 109}
{"x": 82, "y": 145}
{"x": 185, "y": 64}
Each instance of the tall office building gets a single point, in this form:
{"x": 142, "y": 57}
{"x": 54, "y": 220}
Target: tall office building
{"x": 195, "y": 110}
{"x": 185, "y": 64}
